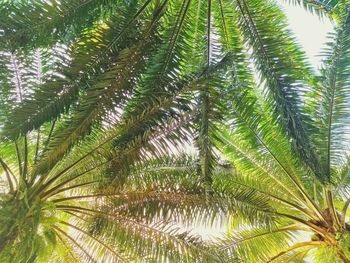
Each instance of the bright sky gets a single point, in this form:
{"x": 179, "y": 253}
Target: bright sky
{"x": 310, "y": 30}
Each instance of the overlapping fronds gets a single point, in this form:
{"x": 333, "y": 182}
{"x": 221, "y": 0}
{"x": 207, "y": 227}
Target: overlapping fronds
{"x": 99, "y": 98}
{"x": 41, "y": 23}
{"x": 318, "y": 7}
{"x": 260, "y": 150}
{"x": 332, "y": 109}
{"x": 107, "y": 44}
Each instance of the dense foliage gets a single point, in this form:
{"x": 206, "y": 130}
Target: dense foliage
{"x": 125, "y": 123}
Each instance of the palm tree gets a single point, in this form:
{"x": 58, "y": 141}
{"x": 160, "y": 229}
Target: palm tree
{"x": 94, "y": 96}
{"x": 70, "y": 191}
{"x": 71, "y": 214}
{"x": 300, "y": 172}
{"x": 133, "y": 50}
{"x": 89, "y": 204}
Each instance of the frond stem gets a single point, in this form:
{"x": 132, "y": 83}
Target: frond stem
{"x": 296, "y": 246}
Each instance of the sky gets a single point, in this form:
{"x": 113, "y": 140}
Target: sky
{"x": 310, "y": 30}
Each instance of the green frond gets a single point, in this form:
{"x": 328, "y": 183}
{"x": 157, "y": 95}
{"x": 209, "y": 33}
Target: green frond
{"x": 282, "y": 71}
{"x": 327, "y": 253}
{"x": 47, "y": 22}
{"x": 104, "y": 43}
{"x": 320, "y": 8}
{"x": 332, "y": 109}
{"x": 255, "y": 245}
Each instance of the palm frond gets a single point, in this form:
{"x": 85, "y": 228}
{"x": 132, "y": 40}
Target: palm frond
{"x": 243, "y": 242}
{"x": 319, "y": 7}
{"x": 282, "y": 70}
{"x": 333, "y": 102}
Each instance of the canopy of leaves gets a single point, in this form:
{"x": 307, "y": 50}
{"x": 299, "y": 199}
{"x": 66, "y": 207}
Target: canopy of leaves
{"x": 123, "y": 124}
